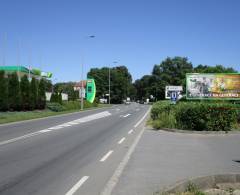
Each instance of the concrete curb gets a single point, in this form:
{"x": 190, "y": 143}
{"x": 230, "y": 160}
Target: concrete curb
{"x": 198, "y": 132}
{"x": 202, "y": 183}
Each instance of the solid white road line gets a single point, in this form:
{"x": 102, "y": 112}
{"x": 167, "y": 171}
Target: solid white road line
{"x": 138, "y": 123}
{"x": 77, "y": 185}
{"x": 130, "y": 132}
{"x": 106, "y": 156}
{"x": 121, "y": 140}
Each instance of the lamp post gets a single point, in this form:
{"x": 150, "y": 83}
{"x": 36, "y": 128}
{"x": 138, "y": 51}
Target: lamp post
{"x": 81, "y": 89}
{"x": 109, "y": 83}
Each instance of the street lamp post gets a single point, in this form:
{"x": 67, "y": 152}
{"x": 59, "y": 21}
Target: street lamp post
{"x": 109, "y": 83}
{"x": 109, "y": 86}
{"x": 81, "y": 89}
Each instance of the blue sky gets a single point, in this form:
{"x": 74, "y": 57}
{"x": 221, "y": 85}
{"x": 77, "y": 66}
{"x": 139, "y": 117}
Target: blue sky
{"x": 53, "y": 34}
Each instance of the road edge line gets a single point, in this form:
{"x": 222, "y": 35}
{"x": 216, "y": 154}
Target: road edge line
{"x": 118, "y": 172}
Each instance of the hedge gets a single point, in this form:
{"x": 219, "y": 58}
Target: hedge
{"x": 210, "y": 116}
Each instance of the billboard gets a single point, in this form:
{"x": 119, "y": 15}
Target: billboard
{"x": 213, "y": 86}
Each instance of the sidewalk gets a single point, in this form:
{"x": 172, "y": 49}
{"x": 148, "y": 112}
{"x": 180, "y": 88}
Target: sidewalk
{"x": 163, "y": 158}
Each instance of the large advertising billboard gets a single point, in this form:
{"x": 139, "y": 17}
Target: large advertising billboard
{"x": 213, "y": 86}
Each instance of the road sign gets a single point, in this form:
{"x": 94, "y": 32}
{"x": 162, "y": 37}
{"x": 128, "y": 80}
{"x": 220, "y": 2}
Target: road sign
{"x": 82, "y": 93}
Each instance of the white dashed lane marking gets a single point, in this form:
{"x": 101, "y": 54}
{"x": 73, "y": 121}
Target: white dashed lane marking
{"x": 130, "y": 132}
{"x": 77, "y": 185}
{"x": 121, "y": 140}
{"x": 105, "y": 157}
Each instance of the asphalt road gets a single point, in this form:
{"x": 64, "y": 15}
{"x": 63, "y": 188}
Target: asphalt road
{"x": 66, "y": 155}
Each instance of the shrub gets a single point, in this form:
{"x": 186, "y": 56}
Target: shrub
{"x": 221, "y": 117}
{"x": 56, "y": 107}
{"x": 3, "y": 92}
{"x": 191, "y": 116}
{"x": 14, "y": 93}
{"x": 33, "y": 94}
{"x": 212, "y": 115}
{"x": 160, "y": 107}
{"x": 164, "y": 120}
{"x": 41, "y": 103}
{"x": 25, "y": 93}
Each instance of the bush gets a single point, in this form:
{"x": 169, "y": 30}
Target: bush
{"x": 3, "y": 92}
{"x": 33, "y": 94}
{"x": 41, "y": 103}
{"x": 56, "y": 107}
{"x": 191, "y": 116}
{"x": 14, "y": 93}
{"x": 165, "y": 120}
{"x": 160, "y": 107}
{"x": 221, "y": 117}
{"x": 212, "y": 115}
{"x": 25, "y": 93}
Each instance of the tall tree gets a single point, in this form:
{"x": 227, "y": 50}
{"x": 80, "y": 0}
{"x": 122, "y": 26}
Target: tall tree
{"x": 25, "y": 93}
{"x": 33, "y": 94}
{"x": 121, "y": 82}
{"x": 41, "y": 94}
{"x": 213, "y": 69}
{"x": 3, "y": 92}
{"x": 14, "y": 92}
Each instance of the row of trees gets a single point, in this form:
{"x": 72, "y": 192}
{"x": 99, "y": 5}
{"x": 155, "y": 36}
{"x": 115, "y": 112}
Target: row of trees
{"x": 121, "y": 83}
{"x": 171, "y": 71}
{"x": 21, "y": 95}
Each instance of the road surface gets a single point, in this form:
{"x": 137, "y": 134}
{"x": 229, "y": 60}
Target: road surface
{"x": 65, "y": 155}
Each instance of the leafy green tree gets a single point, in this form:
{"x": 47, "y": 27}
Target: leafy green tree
{"x": 54, "y": 97}
{"x": 25, "y": 93}
{"x": 41, "y": 94}
{"x": 67, "y": 88}
{"x": 213, "y": 69}
{"x": 60, "y": 97}
{"x": 33, "y": 94}
{"x": 14, "y": 93}
{"x": 3, "y": 92}
{"x": 121, "y": 82}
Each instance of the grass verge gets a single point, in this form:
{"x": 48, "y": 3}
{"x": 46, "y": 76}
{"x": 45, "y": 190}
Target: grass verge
{"x": 7, "y": 117}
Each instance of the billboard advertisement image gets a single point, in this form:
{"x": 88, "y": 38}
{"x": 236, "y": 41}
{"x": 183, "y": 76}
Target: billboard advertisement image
{"x": 213, "y": 86}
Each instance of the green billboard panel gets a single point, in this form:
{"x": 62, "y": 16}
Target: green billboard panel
{"x": 213, "y": 86}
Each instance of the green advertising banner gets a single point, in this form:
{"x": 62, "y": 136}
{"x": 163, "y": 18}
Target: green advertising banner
{"x": 213, "y": 86}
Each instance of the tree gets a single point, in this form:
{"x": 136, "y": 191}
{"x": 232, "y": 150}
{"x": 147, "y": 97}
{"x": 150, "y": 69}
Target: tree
{"x": 171, "y": 71}
{"x": 41, "y": 94}
{"x": 121, "y": 82}
{"x": 33, "y": 94}
{"x": 3, "y": 92}
{"x": 25, "y": 93}
{"x": 14, "y": 93}
{"x": 213, "y": 69}
{"x": 67, "y": 88}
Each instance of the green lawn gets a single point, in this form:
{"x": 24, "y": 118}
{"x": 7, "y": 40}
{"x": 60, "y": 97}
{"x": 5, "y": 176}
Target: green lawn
{"x": 7, "y": 117}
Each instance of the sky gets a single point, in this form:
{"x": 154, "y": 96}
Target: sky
{"x": 53, "y": 35}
